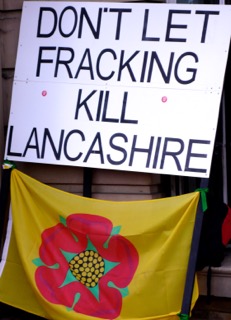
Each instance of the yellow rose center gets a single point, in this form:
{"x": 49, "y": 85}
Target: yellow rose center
{"x": 87, "y": 267}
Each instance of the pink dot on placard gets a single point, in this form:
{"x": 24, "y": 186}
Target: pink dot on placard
{"x": 164, "y": 99}
{"x": 44, "y": 93}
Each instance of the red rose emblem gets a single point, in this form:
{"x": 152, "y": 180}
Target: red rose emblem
{"x": 86, "y": 265}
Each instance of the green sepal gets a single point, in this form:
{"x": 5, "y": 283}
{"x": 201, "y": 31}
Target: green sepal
{"x": 63, "y": 221}
{"x": 124, "y": 291}
{"x": 95, "y": 291}
{"x": 69, "y": 278}
{"x": 68, "y": 255}
{"x": 39, "y": 263}
{"x": 76, "y": 299}
{"x": 115, "y": 231}
{"x": 109, "y": 265}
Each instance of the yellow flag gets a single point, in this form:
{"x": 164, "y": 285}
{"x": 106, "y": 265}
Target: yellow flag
{"x": 74, "y": 258}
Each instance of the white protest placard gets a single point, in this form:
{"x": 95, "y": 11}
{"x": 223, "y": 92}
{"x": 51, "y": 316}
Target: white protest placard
{"x": 125, "y": 86}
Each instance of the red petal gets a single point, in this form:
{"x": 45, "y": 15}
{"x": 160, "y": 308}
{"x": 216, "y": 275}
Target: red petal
{"x": 56, "y": 238}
